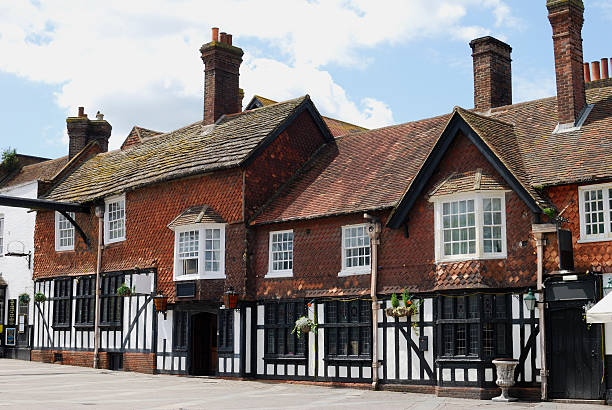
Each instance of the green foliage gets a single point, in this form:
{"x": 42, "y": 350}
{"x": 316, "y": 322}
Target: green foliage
{"x": 24, "y": 298}
{"x": 304, "y": 325}
{"x": 394, "y": 301}
{"x": 39, "y": 297}
{"x": 550, "y": 212}
{"x": 406, "y": 298}
{"x": 10, "y": 161}
{"x": 124, "y": 290}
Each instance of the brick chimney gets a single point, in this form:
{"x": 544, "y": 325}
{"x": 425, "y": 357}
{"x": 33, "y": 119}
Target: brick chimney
{"x": 492, "y": 73}
{"x": 566, "y": 18}
{"x": 221, "y": 71}
{"x": 82, "y": 130}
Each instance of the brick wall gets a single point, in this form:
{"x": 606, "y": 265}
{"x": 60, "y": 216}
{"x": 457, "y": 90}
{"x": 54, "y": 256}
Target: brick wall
{"x": 403, "y": 262}
{"x": 149, "y": 243}
{"x": 134, "y": 362}
{"x": 280, "y": 160}
{"x": 594, "y": 256}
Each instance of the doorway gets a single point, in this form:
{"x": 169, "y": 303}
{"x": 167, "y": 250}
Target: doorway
{"x": 575, "y": 354}
{"x": 203, "y": 344}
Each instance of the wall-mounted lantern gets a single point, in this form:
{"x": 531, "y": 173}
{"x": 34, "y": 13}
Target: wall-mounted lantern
{"x": 230, "y": 299}
{"x": 530, "y": 301}
{"x": 161, "y": 304}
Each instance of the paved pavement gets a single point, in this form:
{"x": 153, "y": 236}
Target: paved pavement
{"x": 31, "y": 385}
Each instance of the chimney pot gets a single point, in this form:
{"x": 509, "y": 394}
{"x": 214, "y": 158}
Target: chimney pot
{"x": 223, "y": 37}
{"x": 595, "y": 70}
{"x": 81, "y": 112}
{"x": 587, "y": 73}
{"x": 215, "y": 34}
{"x": 99, "y": 116}
{"x": 604, "y": 69}
{"x": 229, "y": 39}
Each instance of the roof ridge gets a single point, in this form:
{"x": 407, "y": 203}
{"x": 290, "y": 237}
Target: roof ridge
{"x": 484, "y": 117}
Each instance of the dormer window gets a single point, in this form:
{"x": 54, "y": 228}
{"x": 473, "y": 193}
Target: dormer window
{"x": 470, "y": 225}
{"x": 114, "y": 219}
{"x": 199, "y": 244}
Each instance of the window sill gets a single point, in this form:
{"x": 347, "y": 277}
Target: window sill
{"x": 350, "y": 272}
{"x": 348, "y": 359}
{"x": 279, "y": 274}
{"x": 113, "y": 242}
{"x": 61, "y": 327}
{"x": 64, "y": 250}
{"x": 285, "y": 358}
{"x": 593, "y": 240}
{"x": 472, "y": 258}
{"x": 471, "y": 359}
{"x": 199, "y": 277}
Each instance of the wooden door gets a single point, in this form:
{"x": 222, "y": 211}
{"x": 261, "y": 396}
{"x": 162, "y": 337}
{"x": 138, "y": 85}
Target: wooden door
{"x": 203, "y": 344}
{"x": 575, "y": 355}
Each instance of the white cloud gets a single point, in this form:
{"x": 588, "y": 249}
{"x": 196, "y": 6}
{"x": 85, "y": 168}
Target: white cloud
{"x": 137, "y": 61}
{"x": 540, "y": 84}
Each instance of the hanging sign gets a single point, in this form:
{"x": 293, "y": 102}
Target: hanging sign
{"x": 12, "y": 312}
{"x": 21, "y": 323}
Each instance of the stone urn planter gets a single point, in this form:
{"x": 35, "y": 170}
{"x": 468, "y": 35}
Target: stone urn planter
{"x": 505, "y": 378}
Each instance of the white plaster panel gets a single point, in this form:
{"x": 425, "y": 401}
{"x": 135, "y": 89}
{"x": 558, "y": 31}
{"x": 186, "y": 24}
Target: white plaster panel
{"x": 428, "y": 310}
{"x": 248, "y": 341}
{"x": 342, "y": 371}
{"x": 260, "y": 351}
{"x": 280, "y": 369}
{"x": 429, "y": 354}
{"x": 446, "y": 375}
{"x": 528, "y": 369}
{"x": 260, "y": 315}
{"x": 331, "y": 371}
{"x": 236, "y": 365}
{"x": 366, "y": 372}
{"x": 269, "y": 369}
{"x": 489, "y": 375}
{"x": 221, "y": 365}
{"x": 515, "y": 307}
{"x": 404, "y": 351}
{"x": 472, "y": 375}
{"x": 290, "y": 370}
{"x": 390, "y": 359}
{"x": 301, "y": 370}
{"x": 237, "y": 331}
{"x": 354, "y": 372}
{"x": 459, "y": 375}
{"x": 516, "y": 341}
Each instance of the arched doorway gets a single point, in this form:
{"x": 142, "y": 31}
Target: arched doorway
{"x": 203, "y": 344}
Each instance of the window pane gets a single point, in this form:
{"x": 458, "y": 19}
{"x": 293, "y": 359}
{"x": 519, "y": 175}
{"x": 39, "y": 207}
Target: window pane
{"x": 457, "y": 227}
{"x": 492, "y": 224}
{"x": 357, "y": 247}
{"x": 593, "y": 212}
{"x": 282, "y": 251}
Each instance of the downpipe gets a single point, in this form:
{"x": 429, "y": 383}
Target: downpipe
{"x": 540, "y": 271}
{"x": 100, "y": 214}
{"x": 374, "y": 228}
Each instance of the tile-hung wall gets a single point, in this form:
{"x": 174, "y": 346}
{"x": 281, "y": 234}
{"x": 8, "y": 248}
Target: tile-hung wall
{"x": 133, "y": 330}
{"x": 407, "y": 354}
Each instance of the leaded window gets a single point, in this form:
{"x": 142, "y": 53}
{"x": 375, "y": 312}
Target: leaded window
{"x": 348, "y": 329}
{"x": 474, "y": 326}
{"x": 85, "y": 303}
{"x": 111, "y": 305}
{"x": 179, "y": 330}
{"x": 62, "y": 302}
{"x": 279, "y": 323}
{"x": 226, "y": 330}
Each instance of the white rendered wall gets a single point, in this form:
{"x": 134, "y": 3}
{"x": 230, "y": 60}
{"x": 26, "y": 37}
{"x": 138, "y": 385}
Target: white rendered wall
{"x": 18, "y": 227}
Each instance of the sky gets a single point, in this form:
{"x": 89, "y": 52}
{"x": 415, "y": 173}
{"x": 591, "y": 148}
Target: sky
{"x": 372, "y": 63}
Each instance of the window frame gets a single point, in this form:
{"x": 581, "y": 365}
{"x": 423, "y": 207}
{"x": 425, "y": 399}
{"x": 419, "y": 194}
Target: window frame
{"x": 180, "y": 330}
{"x": 226, "y": 330}
{"x": 478, "y": 197}
{"x": 202, "y": 273}
{"x": 110, "y": 301}
{"x": 281, "y": 273}
{"x": 2, "y": 223}
{"x": 58, "y": 246}
{"x": 88, "y": 299}
{"x": 483, "y": 320}
{"x": 64, "y": 299}
{"x": 607, "y": 211}
{"x": 107, "y": 202}
{"x": 300, "y": 345}
{"x": 355, "y": 270}
{"x": 362, "y": 326}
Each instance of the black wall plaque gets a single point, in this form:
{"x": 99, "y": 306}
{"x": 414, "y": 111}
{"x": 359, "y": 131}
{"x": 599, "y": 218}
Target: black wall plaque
{"x": 566, "y": 251}
{"x": 185, "y": 289}
{"x": 12, "y": 312}
{"x": 423, "y": 344}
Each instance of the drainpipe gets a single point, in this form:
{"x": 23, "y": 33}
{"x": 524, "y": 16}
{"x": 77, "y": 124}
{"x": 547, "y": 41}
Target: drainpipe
{"x": 99, "y": 209}
{"x": 544, "y": 369}
{"x": 374, "y": 229}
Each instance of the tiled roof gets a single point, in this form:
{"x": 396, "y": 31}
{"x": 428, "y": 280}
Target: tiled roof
{"x": 336, "y": 127}
{"x": 371, "y": 170}
{"x": 190, "y": 150}
{"x": 196, "y": 215}
{"x": 467, "y": 181}
{"x": 42, "y": 171}
{"x": 364, "y": 171}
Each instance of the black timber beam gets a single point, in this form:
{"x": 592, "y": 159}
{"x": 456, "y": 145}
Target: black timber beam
{"x": 45, "y": 204}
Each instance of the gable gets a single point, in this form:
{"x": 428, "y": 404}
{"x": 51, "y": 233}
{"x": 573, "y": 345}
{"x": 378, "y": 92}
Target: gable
{"x": 459, "y": 127}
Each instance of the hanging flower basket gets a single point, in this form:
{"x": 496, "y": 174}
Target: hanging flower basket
{"x": 124, "y": 290}
{"x": 399, "y": 311}
{"x": 304, "y": 325}
{"x": 24, "y": 298}
{"x": 39, "y": 297}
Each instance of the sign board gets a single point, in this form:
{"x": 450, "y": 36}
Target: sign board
{"x": 11, "y": 335}
{"x": 12, "y": 312}
{"x": 606, "y": 280}
{"x": 1, "y": 328}
{"x": 22, "y": 323}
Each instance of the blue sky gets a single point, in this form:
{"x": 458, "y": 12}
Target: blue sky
{"x": 369, "y": 62}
